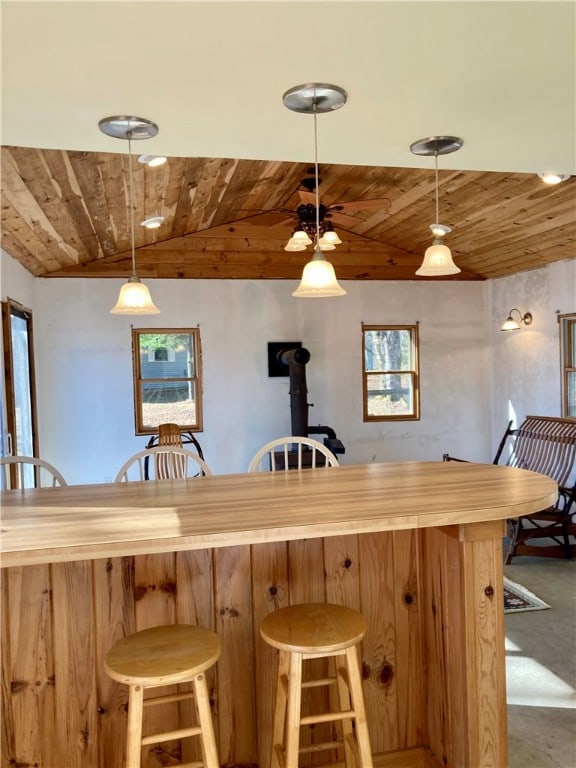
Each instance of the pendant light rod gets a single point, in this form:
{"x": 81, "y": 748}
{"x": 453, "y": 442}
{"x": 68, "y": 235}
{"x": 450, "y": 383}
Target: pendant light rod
{"x": 436, "y": 185}
{"x": 316, "y": 175}
{"x": 131, "y": 204}
{"x": 438, "y": 260}
{"x": 134, "y": 298}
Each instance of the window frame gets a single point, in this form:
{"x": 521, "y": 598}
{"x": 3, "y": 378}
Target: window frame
{"x": 413, "y": 372}
{"x": 567, "y": 335}
{"x": 137, "y": 333}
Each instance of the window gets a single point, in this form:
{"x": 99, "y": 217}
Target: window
{"x": 19, "y": 386}
{"x": 390, "y": 372}
{"x": 167, "y": 378}
{"x": 568, "y": 363}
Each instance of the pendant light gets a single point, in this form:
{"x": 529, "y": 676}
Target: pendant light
{"x": 318, "y": 277}
{"x": 438, "y": 258}
{"x": 134, "y": 298}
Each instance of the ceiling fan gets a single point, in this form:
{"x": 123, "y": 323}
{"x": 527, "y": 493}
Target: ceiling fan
{"x": 337, "y": 213}
{"x": 310, "y": 218}
{"x": 308, "y": 197}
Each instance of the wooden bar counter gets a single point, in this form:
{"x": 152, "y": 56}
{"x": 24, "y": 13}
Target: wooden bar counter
{"x": 416, "y": 547}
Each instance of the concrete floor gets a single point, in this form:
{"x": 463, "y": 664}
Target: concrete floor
{"x": 541, "y": 667}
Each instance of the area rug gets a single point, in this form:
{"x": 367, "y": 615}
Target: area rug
{"x": 517, "y": 598}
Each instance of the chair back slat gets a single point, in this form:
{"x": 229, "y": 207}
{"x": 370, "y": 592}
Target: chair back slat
{"x": 169, "y": 434}
{"x": 547, "y": 445}
{"x": 169, "y": 463}
{"x": 292, "y": 452}
{"x": 43, "y": 473}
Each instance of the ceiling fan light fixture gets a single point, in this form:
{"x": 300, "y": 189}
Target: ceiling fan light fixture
{"x": 301, "y": 237}
{"x": 330, "y": 236}
{"x": 319, "y": 279}
{"x": 293, "y": 246}
{"x": 438, "y": 258}
{"x": 134, "y": 297}
{"x": 326, "y": 245}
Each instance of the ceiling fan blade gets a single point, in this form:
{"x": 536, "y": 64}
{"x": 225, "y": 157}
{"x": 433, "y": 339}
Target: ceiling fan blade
{"x": 344, "y": 221}
{"x": 379, "y": 203}
{"x": 287, "y": 211}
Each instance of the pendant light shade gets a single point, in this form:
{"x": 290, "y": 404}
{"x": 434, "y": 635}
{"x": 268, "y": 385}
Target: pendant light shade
{"x": 438, "y": 260}
{"x": 134, "y": 297}
{"x": 318, "y": 279}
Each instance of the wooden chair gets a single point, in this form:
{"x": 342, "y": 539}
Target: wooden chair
{"x": 169, "y": 434}
{"x": 295, "y": 453}
{"x": 13, "y": 473}
{"x": 314, "y": 631}
{"x": 160, "y": 656}
{"x": 545, "y": 444}
{"x": 162, "y": 463}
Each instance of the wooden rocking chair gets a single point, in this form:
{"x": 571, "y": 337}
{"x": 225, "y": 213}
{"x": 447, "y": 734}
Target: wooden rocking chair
{"x": 544, "y": 444}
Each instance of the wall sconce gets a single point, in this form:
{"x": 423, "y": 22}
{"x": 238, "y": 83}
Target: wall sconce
{"x": 514, "y": 325}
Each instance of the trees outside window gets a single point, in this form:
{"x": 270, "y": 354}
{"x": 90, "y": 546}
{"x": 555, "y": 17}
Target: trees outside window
{"x": 390, "y": 372}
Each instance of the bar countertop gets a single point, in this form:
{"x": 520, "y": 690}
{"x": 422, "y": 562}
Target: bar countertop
{"x": 94, "y": 521}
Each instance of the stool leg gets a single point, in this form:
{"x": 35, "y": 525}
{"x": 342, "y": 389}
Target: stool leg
{"x": 358, "y": 706}
{"x": 135, "y": 715}
{"x": 342, "y": 679}
{"x": 279, "y": 724}
{"x": 294, "y": 703}
{"x": 209, "y": 751}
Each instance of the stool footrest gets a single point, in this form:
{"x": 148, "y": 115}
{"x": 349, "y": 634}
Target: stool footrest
{"x": 321, "y": 747}
{"x": 318, "y": 682}
{"x": 179, "y": 733}
{"x": 168, "y": 698}
{"x": 327, "y": 717}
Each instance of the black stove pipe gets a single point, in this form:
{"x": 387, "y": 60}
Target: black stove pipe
{"x": 296, "y": 360}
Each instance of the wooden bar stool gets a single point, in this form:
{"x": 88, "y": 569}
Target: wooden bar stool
{"x": 313, "y": 631}
{"x": 166, "y": 655}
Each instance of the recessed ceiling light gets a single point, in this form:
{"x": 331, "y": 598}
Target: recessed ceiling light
{"x": 152, "y": 160}
{"x": 152, "y": 223}
{"x": 553, "y": 178}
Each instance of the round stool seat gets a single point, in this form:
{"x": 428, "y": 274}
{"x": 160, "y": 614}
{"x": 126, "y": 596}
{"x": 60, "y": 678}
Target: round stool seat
{"x": 313, "y": 628}
{"x": 165, "y": 654}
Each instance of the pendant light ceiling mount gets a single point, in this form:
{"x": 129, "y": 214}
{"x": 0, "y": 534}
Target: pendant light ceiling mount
{"x": 437, "y": 259}
{"x": 318, "y": 277}
{"x": 436, "y": 145}
{"x": 313, "y": 98}
{"x": 125, "y": 127}
{"x": 134, "y": 298}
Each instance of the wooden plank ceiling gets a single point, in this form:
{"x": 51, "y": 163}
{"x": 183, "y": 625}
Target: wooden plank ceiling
{"x": 66, "y": 214}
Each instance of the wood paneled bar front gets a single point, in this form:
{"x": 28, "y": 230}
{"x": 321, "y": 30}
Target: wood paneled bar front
{"x": 415, "y": 546}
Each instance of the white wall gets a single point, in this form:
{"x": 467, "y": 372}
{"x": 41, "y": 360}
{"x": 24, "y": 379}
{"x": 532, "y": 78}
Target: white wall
{"x": 469, "y": 369}
{"x": 16, "y": 282}
{"x": 526, "y": 369}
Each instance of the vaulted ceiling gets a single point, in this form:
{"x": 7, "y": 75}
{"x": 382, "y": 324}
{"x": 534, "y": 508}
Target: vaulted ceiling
{"x": 212, "y": 76}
